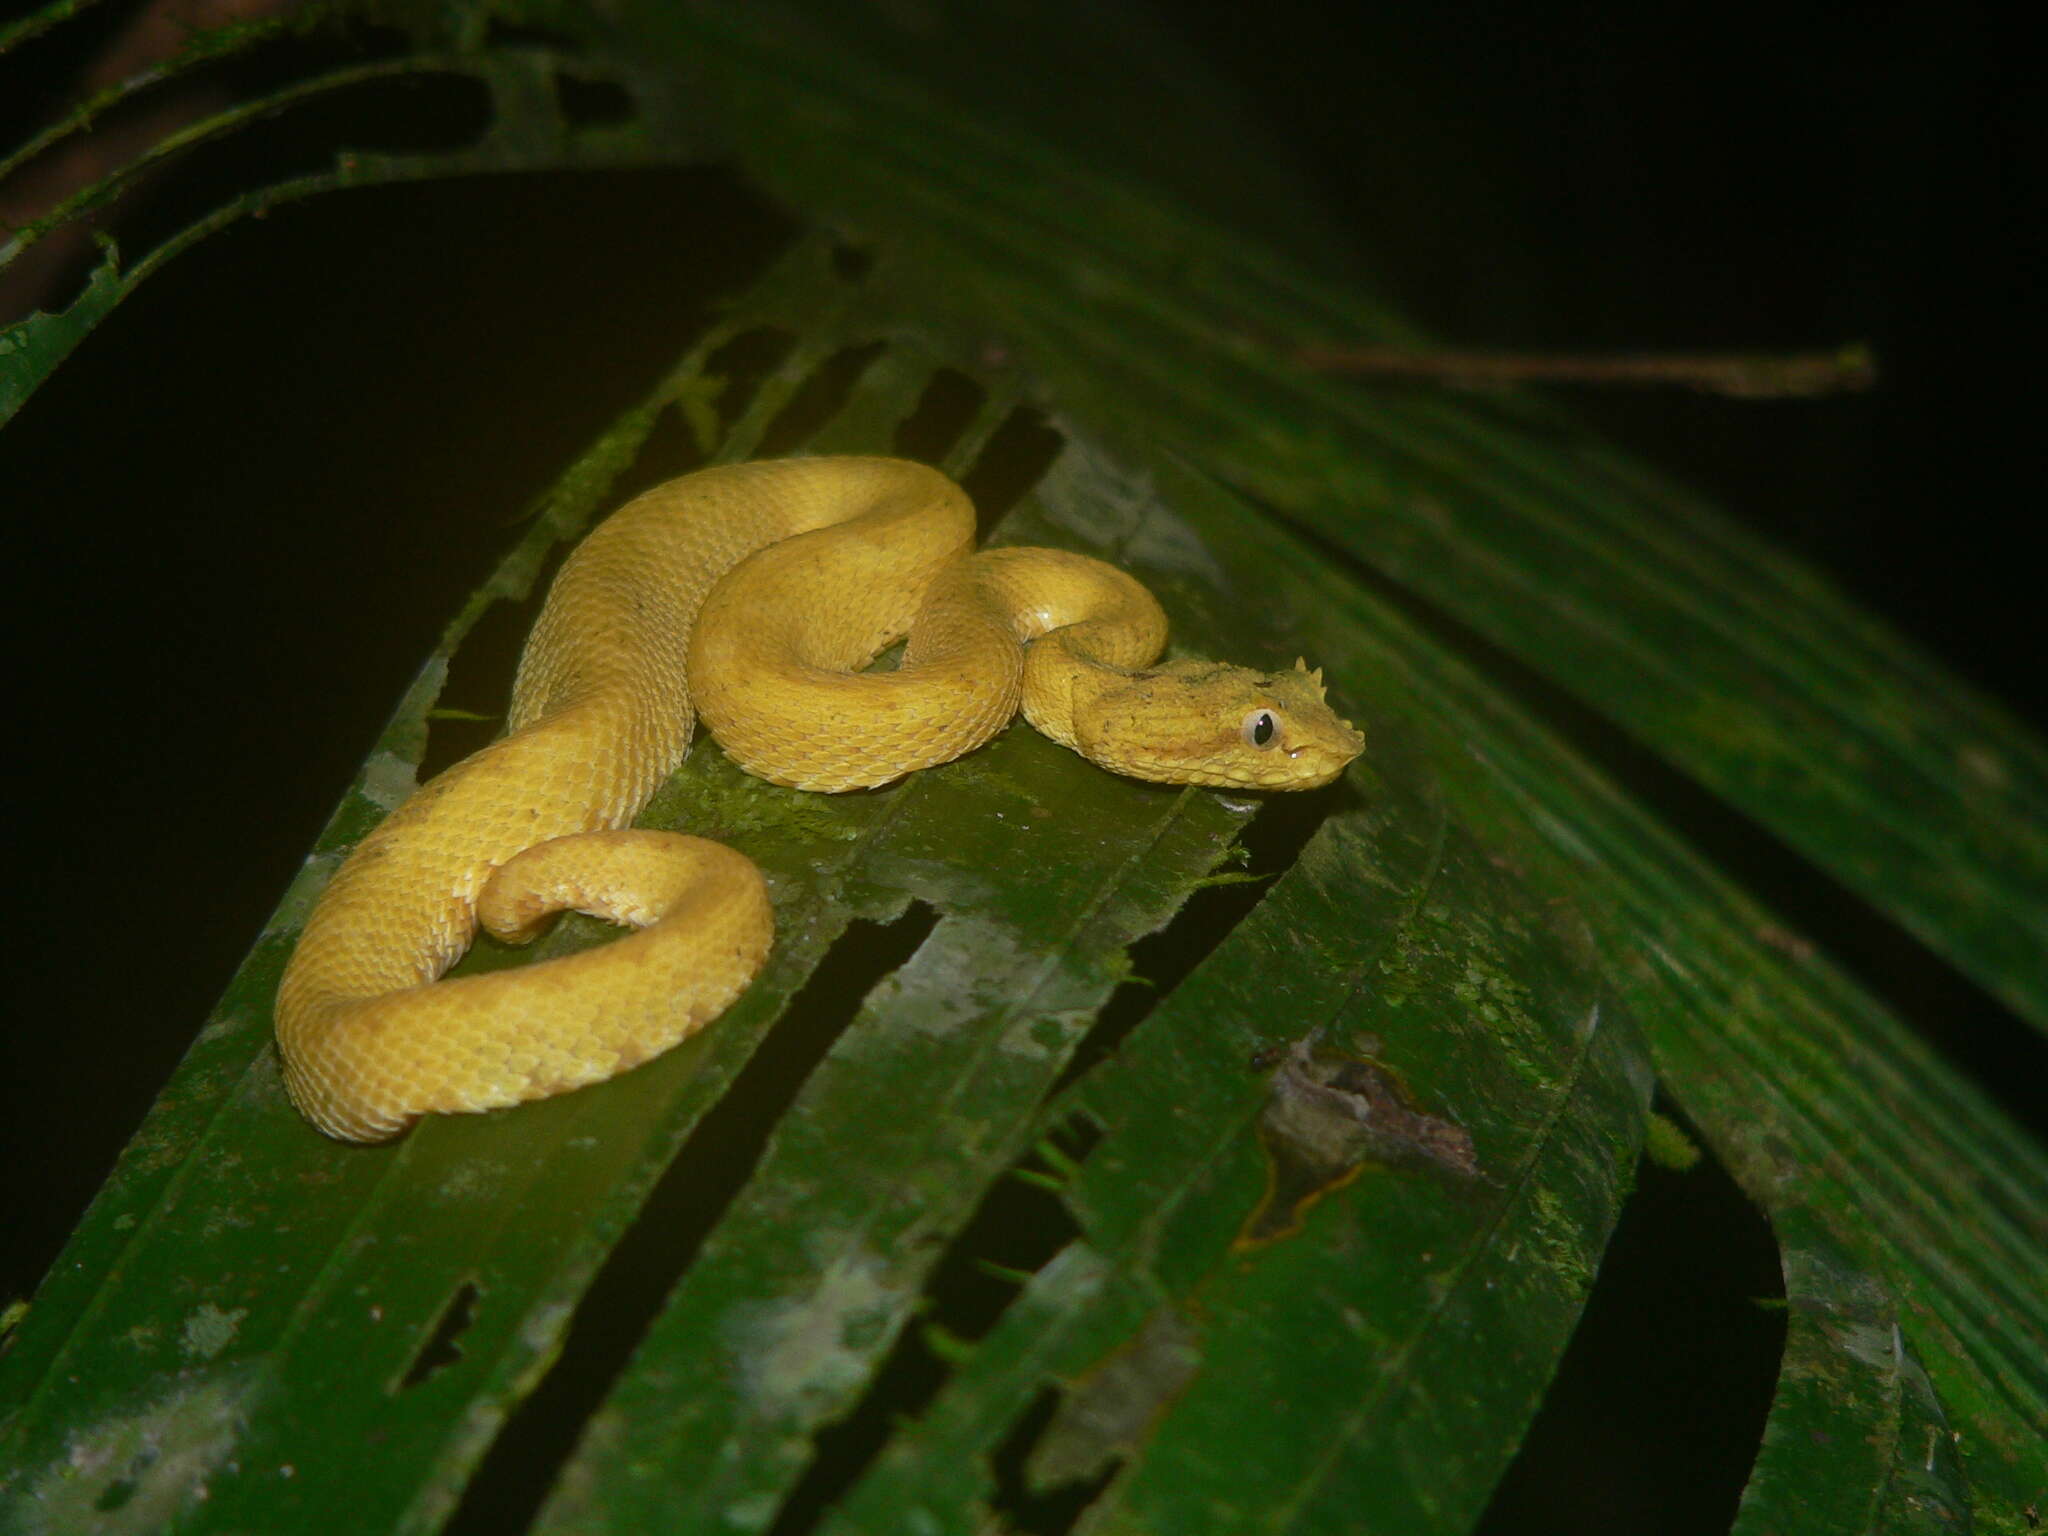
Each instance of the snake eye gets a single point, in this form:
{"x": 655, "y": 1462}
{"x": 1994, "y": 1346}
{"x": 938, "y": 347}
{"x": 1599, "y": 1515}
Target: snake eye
{"x": 1260, "y": 729}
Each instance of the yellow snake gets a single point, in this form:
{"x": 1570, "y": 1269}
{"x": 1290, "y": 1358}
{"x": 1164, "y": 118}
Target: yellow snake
{"x": 753, "y": 594}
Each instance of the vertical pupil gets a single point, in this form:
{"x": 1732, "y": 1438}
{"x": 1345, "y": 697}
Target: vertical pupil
{"x": 1262, "y": 730}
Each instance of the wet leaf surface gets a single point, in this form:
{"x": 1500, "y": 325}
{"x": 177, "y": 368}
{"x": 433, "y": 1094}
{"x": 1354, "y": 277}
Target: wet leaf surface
{"x": 1323, "y": 1203}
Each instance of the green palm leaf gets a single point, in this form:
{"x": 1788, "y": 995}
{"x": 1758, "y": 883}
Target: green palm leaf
{"x": 1239, "y": 1312}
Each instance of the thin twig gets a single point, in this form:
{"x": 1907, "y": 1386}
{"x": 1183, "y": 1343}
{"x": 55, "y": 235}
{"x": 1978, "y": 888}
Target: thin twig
{"x": 1747, "y": 376}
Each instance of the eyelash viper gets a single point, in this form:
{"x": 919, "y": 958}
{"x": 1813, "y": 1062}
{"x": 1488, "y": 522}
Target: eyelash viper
{"x": 751, "y": 594}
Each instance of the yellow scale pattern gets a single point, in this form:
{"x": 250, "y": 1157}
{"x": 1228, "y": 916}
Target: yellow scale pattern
{"x": 754, "y": 594}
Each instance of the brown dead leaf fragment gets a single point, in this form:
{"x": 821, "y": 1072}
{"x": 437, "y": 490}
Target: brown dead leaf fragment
{"x": 1328, "y": 1115}
{"x": 1105, "y": 1415}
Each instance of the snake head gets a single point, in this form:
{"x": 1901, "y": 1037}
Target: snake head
{"x": 1205, "y": 722}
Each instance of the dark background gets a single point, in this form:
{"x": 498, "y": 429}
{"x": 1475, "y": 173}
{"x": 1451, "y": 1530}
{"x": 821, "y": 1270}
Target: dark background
{"x": 220, "y": 585}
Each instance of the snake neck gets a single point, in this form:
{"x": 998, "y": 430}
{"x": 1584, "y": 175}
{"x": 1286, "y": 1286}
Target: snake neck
{"x": 1065, "y": 683}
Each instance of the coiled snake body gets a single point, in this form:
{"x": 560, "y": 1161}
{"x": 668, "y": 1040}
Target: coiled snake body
{"x": 752, "y": 594}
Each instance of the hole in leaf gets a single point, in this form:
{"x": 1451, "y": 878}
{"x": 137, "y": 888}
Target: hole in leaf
{"x": 442, "y": 1348}
{"x": 1654, "y": 1417}
{"x": 470, "y": 712}
{"x": 729, "y": 380}
{"x": 686, "y": 1204}
{"x": 1051, "y": 1468}
{"x": 509, "y": 35}
{"x": 1272, "y": 840}
{"x": 744, "y": 365}
{"x": 818, "y": 399}
{"x": 1054, "y": 1511}
{"x": 592, "y": 103}
{"x": 1016, "y": 457}
{"x": 1018, "y": 1227}
{"x": 851, "y": 263}
{"x": 945, "y": 410}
